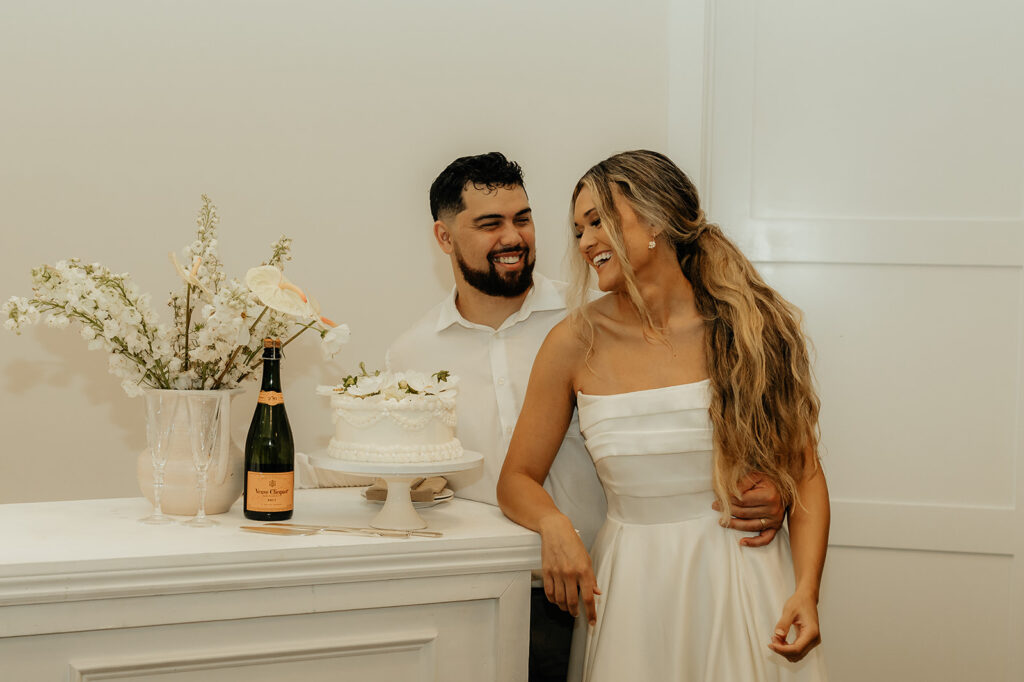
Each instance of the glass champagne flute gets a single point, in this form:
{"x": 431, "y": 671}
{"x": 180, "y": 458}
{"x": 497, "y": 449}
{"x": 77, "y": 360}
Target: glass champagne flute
{"x": 204, "y": 418}
{"x": 160, "y": 408}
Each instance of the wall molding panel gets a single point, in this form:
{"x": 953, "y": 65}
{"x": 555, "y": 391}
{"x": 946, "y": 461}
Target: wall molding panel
{"x": 922, "y": 527}
{"x": 832, "y": 137}
{"x": 419, "y": 666}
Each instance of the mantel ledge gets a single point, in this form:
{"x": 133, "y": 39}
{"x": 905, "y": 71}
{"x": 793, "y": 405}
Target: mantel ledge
{"x": 98, "y": 583}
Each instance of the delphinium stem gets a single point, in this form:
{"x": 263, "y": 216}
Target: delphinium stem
{"x": 188, "y": 318}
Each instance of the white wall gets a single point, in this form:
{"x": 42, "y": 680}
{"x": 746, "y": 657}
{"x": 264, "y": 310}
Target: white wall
{"x": 323, "y": 120}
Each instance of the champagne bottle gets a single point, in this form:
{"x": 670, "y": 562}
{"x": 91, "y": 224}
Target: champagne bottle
{"x": 269, "y": 448}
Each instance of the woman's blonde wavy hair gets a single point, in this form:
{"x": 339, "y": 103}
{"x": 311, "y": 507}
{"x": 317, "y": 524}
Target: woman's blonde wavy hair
{"x": 764, "y": 408}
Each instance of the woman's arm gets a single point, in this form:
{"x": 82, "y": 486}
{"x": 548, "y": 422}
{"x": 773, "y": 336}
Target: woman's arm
{"x": 547, "y": 411}
{"x": 808, "y": 539}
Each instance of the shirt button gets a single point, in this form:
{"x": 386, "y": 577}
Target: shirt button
{"x": 501, "y": 381}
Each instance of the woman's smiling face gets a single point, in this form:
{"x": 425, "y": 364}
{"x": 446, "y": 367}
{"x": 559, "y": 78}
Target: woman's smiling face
{"x": 596, "y": 247}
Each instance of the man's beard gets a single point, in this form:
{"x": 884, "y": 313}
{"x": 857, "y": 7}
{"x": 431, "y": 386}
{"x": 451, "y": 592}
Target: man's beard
{"x": 493, "y": 283}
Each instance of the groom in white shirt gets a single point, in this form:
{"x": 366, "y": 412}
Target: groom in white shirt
{"x": 487, "y": 331}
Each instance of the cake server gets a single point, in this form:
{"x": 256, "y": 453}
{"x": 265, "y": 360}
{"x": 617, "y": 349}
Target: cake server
{"x": 281, "y": 531}
{"x": 382, "y": 532}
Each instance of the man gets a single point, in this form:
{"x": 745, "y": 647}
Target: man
{"x": 487, "y": 332}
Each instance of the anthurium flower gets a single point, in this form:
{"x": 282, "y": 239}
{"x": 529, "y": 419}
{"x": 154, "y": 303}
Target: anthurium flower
{"x": 314, "y": 312}
{"x": 312, "y": 308}
{"x": 274, "y": 291}
{"x": 189, "y": 277}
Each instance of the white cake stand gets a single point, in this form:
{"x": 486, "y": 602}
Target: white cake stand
{"x": 398, "y": 512}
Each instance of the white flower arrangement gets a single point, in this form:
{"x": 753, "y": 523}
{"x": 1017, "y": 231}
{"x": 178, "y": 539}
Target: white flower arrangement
{"x": 388, "y": 385}
{"x": 216, "y": 339}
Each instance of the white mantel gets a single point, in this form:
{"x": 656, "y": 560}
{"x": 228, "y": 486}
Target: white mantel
{"x": 88, "y": 593}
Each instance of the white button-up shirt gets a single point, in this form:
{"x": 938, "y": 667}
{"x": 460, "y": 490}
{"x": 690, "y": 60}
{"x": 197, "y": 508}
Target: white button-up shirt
{"x": 493, "y": 366}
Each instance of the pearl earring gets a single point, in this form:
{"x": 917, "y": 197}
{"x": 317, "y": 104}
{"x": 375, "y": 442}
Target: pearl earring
{"x": 651, "y": 244}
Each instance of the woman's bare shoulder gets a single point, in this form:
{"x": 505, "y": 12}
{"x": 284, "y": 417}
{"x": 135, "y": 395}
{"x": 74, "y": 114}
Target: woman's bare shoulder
{"x": 595, "y": 312}
{"x": 563, "y": 339}
{"x": 604, "y": 306}
{"x": 569, "y": 335}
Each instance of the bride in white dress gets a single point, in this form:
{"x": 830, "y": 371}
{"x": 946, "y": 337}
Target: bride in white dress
{"x": 688, "y": 374}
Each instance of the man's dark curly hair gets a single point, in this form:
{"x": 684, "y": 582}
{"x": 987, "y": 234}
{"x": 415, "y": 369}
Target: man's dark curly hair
{"x": 484, "y": 171}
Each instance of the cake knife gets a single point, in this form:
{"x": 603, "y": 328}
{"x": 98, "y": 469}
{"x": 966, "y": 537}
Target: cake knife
{"x": 382, "y": 532}
{"x": 281, "y": 531}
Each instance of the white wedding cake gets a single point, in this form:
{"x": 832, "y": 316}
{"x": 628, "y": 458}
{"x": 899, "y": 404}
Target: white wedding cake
{"x": 394, "y": 417}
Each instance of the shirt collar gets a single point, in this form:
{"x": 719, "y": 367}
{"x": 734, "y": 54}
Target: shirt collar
{"x": 543, "y": 295}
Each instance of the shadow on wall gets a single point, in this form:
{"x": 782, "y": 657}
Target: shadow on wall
{"x": 69, "y": 366}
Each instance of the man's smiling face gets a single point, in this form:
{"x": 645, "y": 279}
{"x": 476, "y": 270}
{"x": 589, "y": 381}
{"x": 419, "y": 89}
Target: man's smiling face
{"x": 493, "y": 240}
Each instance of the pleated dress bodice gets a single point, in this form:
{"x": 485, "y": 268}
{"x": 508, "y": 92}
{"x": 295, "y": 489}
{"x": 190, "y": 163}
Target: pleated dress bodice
{"x": 652, "y": 450}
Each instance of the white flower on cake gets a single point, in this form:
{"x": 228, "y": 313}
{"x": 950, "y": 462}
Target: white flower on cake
{"x": 418, "y": 381}
{"x": 366, "y": 386}
{"x": 393, "y": 385}
{"x": 431, "y": 384}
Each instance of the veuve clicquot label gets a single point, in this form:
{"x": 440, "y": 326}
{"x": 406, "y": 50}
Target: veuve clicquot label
{"x": 270, "y": 398}
{"x": 270, "y": 491}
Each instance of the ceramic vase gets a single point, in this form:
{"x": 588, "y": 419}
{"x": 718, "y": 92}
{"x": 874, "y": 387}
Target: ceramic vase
{"x": 224, "y": 483}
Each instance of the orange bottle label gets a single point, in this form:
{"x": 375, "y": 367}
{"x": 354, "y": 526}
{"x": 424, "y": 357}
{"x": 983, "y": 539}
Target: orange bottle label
{"x": 269, "y": 491}
{"x": 270, "y": 398}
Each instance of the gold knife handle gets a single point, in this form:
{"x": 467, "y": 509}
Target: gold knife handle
{"x": 382, "y": 532}
{"x": 281, "y": 531}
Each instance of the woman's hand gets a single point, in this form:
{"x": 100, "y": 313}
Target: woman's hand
{"x": 800, "y": 610}
{"x": 758, "y": 509}
{"x": 568, "y": 571}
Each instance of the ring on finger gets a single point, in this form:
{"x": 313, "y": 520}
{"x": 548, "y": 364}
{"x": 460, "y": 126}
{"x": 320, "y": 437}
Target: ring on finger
{"x": 764, "y": 523}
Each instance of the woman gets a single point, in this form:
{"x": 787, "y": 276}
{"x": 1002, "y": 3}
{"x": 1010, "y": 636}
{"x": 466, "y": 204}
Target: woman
{"x": 689, "y": 373}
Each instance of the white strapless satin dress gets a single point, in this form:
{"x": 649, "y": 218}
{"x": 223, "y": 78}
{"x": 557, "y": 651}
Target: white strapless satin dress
{"x": 682, "y": 601}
